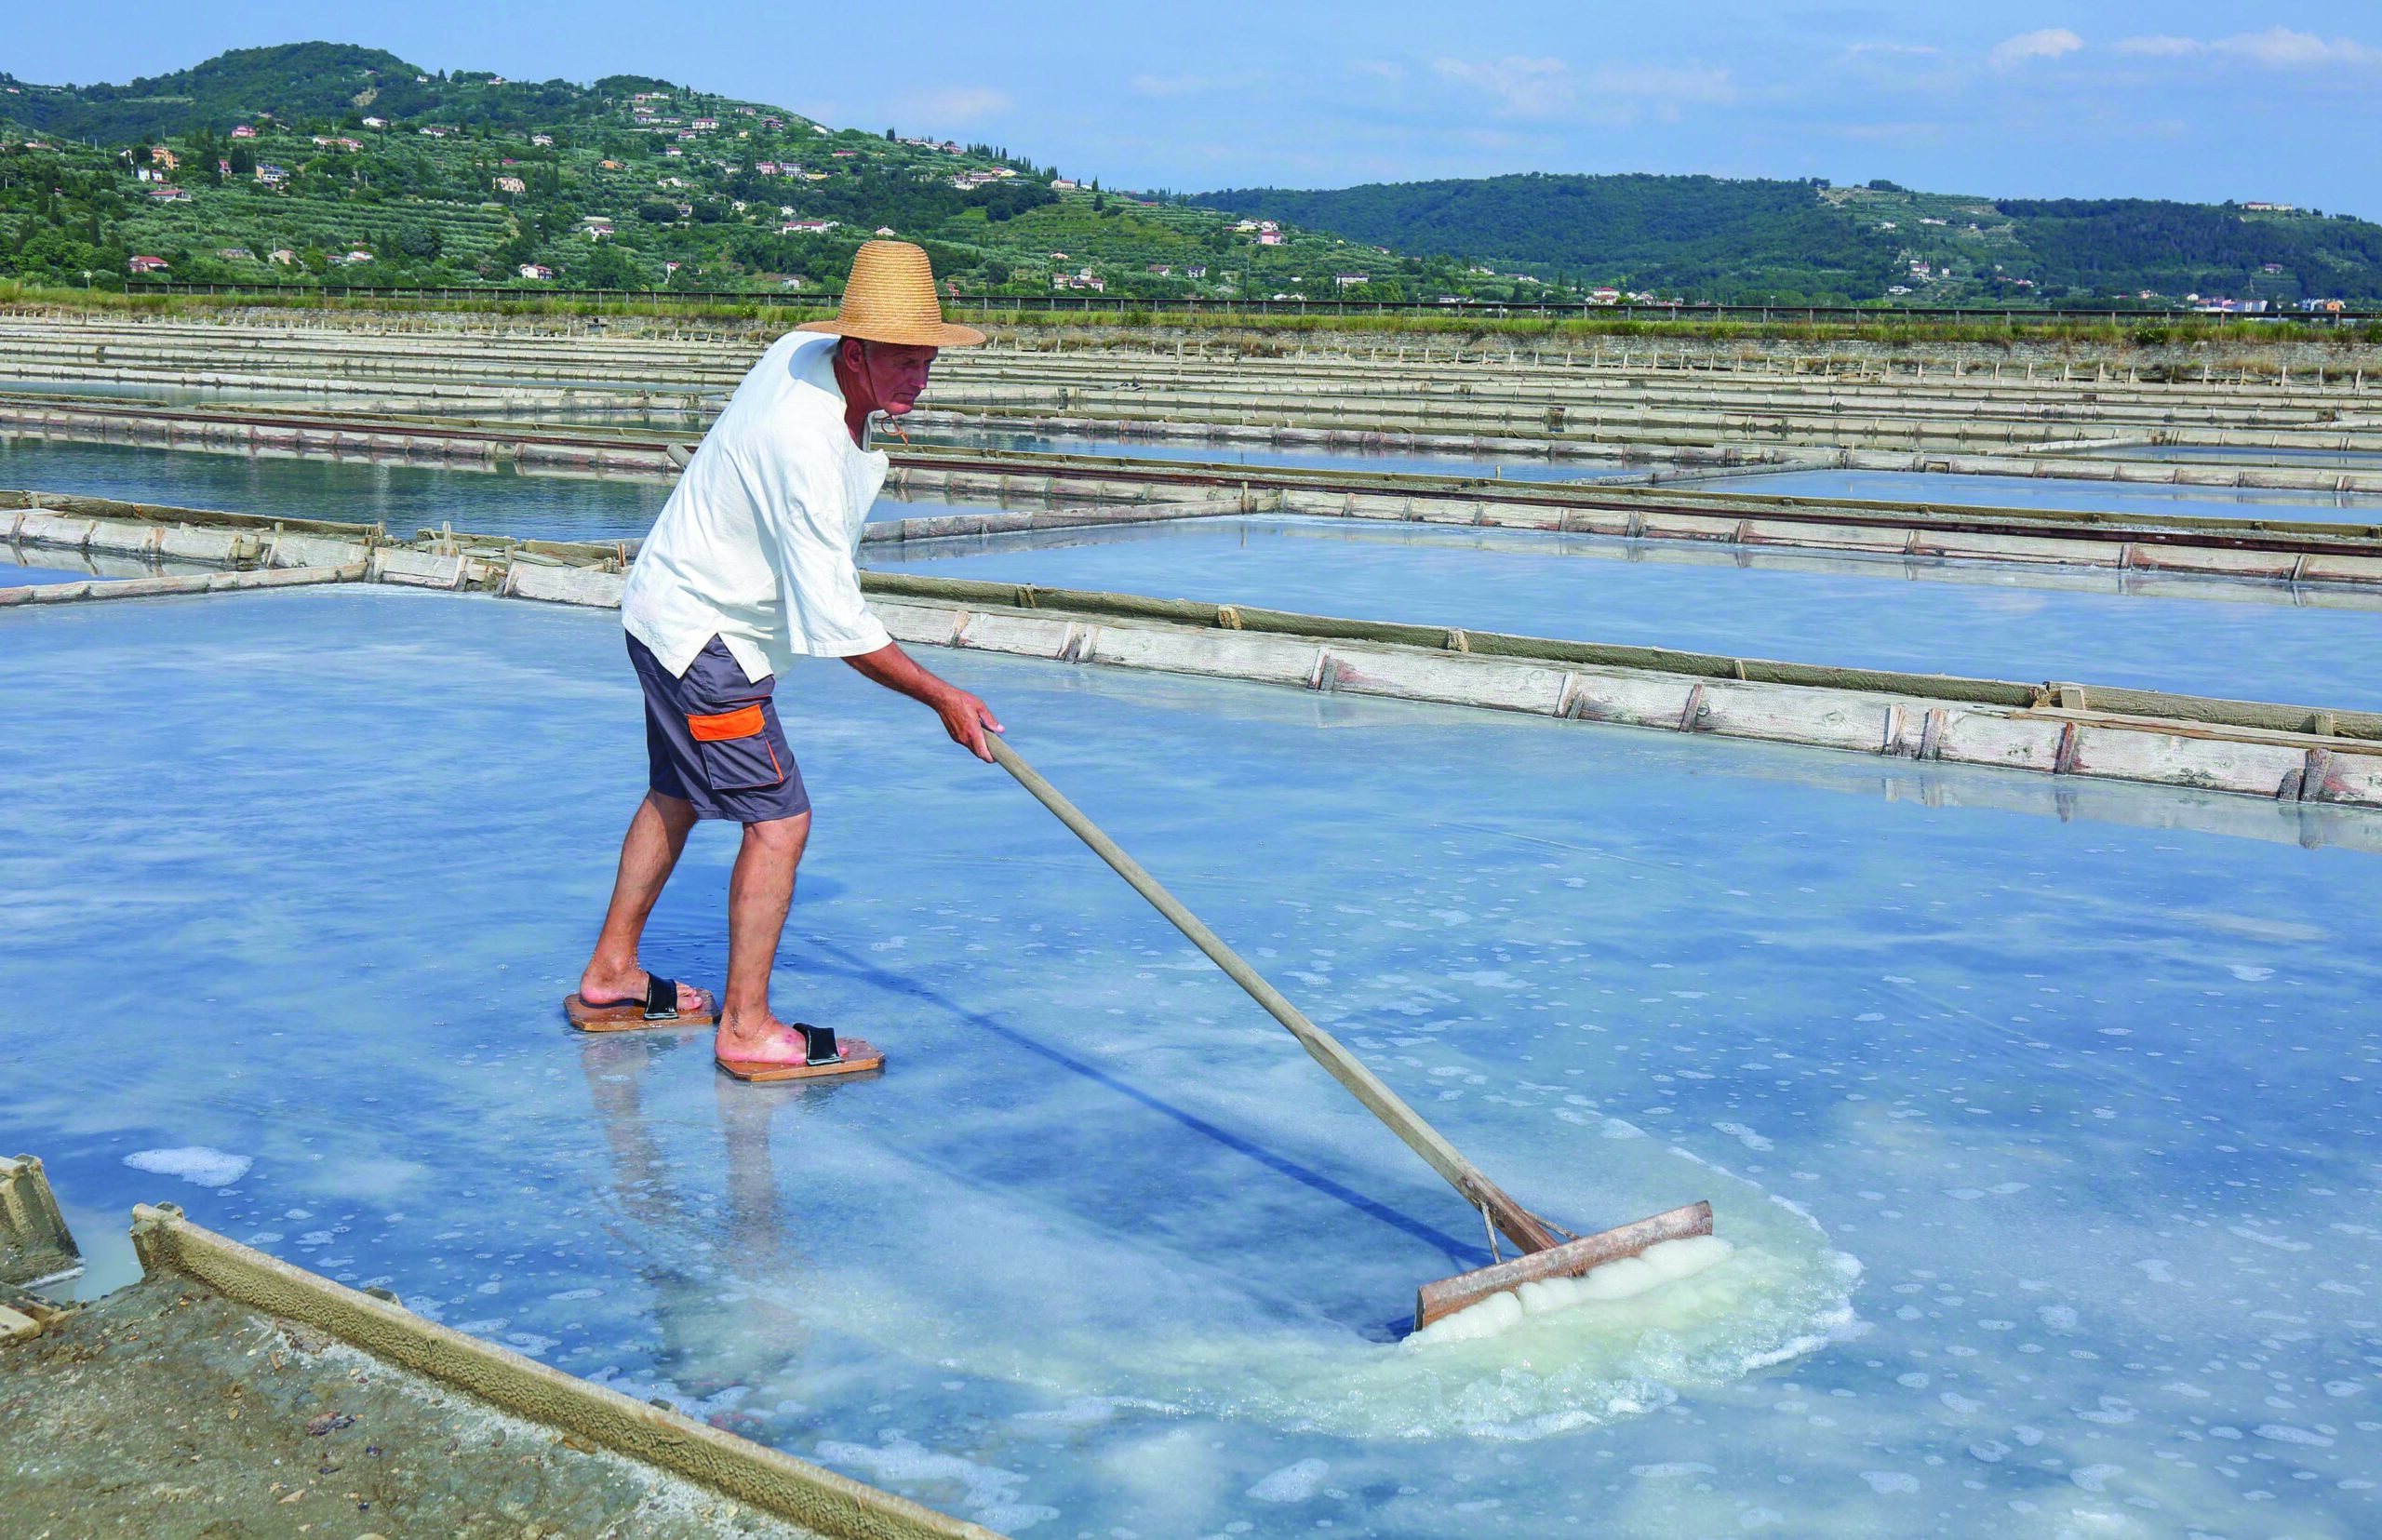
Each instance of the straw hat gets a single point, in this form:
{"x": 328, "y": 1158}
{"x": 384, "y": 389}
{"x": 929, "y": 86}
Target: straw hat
{"x": 889, "y": 298}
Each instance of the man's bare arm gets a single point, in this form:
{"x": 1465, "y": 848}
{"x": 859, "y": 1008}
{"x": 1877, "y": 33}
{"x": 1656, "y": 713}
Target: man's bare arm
{"x": 964, "y": 716}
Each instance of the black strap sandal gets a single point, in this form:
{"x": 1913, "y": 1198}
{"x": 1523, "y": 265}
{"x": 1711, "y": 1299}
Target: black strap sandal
{"x": 660, "y": 998}
{"x": 819, "y": 1045}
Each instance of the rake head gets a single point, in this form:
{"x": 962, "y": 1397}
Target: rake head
{"x": 1567, "y": 1260}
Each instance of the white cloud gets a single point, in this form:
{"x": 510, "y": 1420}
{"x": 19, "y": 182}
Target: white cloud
{"x": 2283, "y": 48}
{"x": 1897, "y": 50}
{"x": 1664, "y": 83}
{"x": 1889, "y": 133}
{"x": 1543, "y": 89}
{"x": 2277, "y": 48}
{"x": 1192, "y": 85}
{"x": 2048, "y": 43}
{"x": 1891, "y": 67}
{"x": 1522, "y": 87}
{"x": 944, "y": 105}
{"x": 2161, "y": 46}
{"x": 1384, "y": 69}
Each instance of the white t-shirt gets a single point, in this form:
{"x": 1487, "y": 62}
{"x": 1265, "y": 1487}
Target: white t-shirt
{"x": 757, "y": 544}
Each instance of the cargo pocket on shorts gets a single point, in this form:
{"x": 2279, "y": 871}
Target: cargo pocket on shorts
{"x": 736, "y": 749}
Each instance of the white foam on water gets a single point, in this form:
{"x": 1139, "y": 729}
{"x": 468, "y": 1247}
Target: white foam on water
{"x": 1224, "y": 1327}
{"x": 2280, "y": 1242}
{"x": 208, "y": 1167}
{"x": 1083, "y": 1411}
{"x": 989, "y": 1495}
{"x": 1292, "y": 1483}
{"x": 2285, "y": 1433}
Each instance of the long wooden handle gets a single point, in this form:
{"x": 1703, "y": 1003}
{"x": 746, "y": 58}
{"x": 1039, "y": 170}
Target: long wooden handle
{"x": 1519, "y": 1224}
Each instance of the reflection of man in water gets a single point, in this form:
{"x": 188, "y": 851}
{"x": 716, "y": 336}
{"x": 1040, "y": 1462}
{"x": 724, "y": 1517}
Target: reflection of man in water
{"x": 749, "y": 566}
{"x": 706, "y": 1346}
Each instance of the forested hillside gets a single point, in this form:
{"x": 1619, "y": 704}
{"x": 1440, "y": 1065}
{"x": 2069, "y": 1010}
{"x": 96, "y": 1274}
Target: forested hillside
{"x": 2175, "y": 247}
{"x": 327, "y": 163}
{"x": 294, "y": 80}
{"x": 314, "y": 163}
{"x": 1769, "y": 240}
{"x": 1709, "y": 237}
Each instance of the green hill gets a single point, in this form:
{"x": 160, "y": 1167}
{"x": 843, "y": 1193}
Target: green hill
{"x": 314, "y": 163}
{"x": 297, "y": 79}
{"x": 1697, "y": 234}
{"x": 1714, "y": 240}
{"x": 357, "y": 166}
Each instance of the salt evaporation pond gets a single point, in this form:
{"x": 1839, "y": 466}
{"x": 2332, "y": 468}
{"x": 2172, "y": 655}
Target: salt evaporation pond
{"x": 2001, "y": 622}
{"x": 547, "y": 503}
{"x": 18, "y": 574}
{"x": 2140, "y": 499}
{"x": 27, "y": 578}
{"x": 1223, "y": 451}
{"x": 2251, "y": 453}
{"x": 2044, "y": 1131}
{"x": 159, "y": 394}
{"x": 23, "y": 566}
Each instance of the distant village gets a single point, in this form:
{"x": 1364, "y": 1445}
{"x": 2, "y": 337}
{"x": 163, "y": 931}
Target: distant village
{"x": 673, "y": 189}
{"x": 690, "y": 160}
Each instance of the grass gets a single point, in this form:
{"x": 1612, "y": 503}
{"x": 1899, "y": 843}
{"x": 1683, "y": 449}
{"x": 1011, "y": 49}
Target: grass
{"x": 1885, "y": 328}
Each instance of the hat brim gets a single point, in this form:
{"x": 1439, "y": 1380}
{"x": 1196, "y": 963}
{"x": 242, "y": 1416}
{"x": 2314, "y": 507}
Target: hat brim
{"x": 943, "y": 334}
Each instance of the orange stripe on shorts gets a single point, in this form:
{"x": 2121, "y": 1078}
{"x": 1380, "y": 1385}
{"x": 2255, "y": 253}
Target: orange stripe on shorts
{"x": 744, "y": 722}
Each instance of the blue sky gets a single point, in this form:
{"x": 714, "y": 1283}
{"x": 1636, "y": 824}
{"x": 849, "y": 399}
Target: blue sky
{"x": 2187, "y": 99}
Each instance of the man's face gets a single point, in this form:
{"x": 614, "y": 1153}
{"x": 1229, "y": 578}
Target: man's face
{"x": 891, "y": 374}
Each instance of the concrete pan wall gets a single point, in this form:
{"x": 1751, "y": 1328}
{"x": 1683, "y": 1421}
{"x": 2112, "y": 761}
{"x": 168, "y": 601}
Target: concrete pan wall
{"x": 2018, "y": 734}
{"x": 35, "y": 1244}
{"x": 776, "y": 1483}
{"x": 2296, "y": 754}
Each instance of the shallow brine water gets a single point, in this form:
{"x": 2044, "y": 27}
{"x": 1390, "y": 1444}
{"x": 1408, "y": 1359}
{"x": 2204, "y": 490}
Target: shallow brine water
{"x": 2207, "y": 637}
{"x": 2253, "y": 454}
{"x": 17, "y": 571}
{"x": 23, "y": 565}
{"x": 164, "y": 396}
{"x": 1221, "y": 451}
{"x": 2039, "y": 1120}
{"x": 487, "y": 500}
{"x": 2142, "y": 500}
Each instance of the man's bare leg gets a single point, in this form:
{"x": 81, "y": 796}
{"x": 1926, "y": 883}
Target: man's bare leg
{"x": 649, "y": 854}
{"x": 760, "y": 893}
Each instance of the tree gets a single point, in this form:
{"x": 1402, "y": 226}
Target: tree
{"x": 609, "y": 267}
{"x": 510, "y": 255}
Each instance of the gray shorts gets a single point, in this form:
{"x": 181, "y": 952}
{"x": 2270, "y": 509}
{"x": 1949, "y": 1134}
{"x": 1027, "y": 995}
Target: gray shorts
{"x": 712, "y": 738}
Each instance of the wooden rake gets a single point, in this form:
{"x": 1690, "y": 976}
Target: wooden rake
{"x": 1548, "y": 1251}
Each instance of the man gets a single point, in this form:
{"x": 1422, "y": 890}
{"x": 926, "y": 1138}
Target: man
{"x": 750, "y": 566}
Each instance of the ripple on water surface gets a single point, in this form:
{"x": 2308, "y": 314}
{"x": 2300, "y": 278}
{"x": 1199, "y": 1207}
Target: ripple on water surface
{"x": 1265, "y": 1337}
